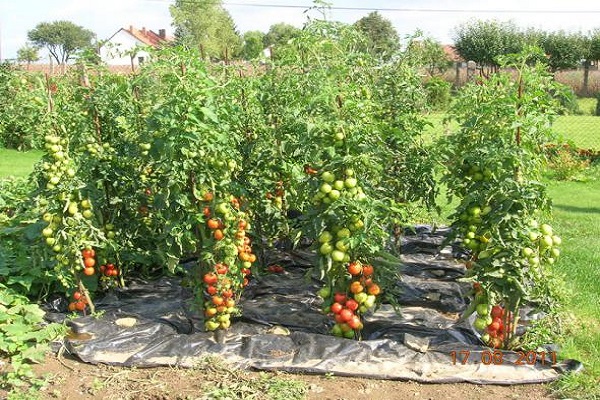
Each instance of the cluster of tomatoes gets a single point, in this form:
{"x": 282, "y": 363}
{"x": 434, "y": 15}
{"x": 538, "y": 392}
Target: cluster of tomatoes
{"x": 109, "y": 270}
{"x": 89, "y": 261}
{"x": 348, "y": 307}
{"x": 277, "y": 197}
{"x": 61, "y": 164}
{"x": 275, "y": 269}
{"x": 491, "y": 322}
{"x": 232, "y": 249}
{"x": 79, "y": 302}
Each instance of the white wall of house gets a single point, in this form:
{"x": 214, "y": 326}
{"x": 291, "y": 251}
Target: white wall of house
{"x": 112, "y": 52}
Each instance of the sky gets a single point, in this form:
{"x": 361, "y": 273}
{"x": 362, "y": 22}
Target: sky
{"x": 436, "y": 18}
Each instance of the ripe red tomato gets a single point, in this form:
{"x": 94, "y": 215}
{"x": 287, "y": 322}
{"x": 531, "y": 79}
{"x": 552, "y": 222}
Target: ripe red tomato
{"x": 355, "y": 322}
{"x": 213, "y": 223}
{"x": 367, "y": 270}
{"x": 336, "y": 308}
{"x": 227, "y": 294}
{"x": 221, "y": 268}
{"x": 497, "y": 312}
{"x": 211, "y": 290}
{"x": 210, "y": 278}
{"x": 208, "y": 196}
{"x": 77, "y": 295}
{"x": 351, "y": 304}
{"x": 339, "y": 297}
{"x": 80, "y": 305}
{"x": 72, "y": 306}
{"x": 346, "y": 314}
{"x": 355, "y": 268}
{"x": 89, "y": 262}
{"x": 88, "y": 253}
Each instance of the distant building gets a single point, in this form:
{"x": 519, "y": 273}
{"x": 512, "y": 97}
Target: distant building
{"x": 125, "y": 47}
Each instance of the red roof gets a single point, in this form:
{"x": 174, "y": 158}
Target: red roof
{"x": 451, "y": 53}
{"x": 149, "y": 37}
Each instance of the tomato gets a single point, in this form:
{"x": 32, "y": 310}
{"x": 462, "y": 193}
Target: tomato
{"x": 367, "y": 270}
{"x": 218, "y": 234}
{"x": 337, "y": 256}
{"x": 497, "y": 312}
{"x": 208, "y": 196}
{"x": 374, "y": 289}
{"x": 221, "y": 269}
{"x": 227, "y": 294}
{"x": 211, "y": 290}
{"x": 336, "y": 308}
{"x": 77, "y": 295}
{"x": 209, "y": 312}
{"x": 80, "y": 306}
{"x": 72, "y": 306}
{"x": 355, "y": 322}
{"x": 213, "y": 223}
{"x": 230, "y": 303}
{"x": 217, "y": 300}
{"x": 355, "y": 268}
{"x": 252, "y": 257}
{"x": 210, "y": 278}
{"x": 339, "y": 297}
{"x": 480, "y": 324}
{"x": 346, "y": 315}
{"x": 87, "y": 253}
{"x": 206, "y": 211}
{"x": 351, "y": 304}
{"x": 89, "y": 271}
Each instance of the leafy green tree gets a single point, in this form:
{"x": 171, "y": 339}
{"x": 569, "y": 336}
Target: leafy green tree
{"x": 484, "y": 41}
{"x": 430, "y": 54}
{"x": 592, "y": 54}
{"x": 280, "y": 34}
{"x": 28, "y": 54}
{"x": 382, "y": 38}
{"x": 564, "y": 50}
{"x": 206, "y": 25}
{"x": 253, "y": 45}
{"x": 62, "y": 39}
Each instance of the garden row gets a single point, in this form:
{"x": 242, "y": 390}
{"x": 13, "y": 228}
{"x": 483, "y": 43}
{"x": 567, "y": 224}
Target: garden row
{"x": 187, "y": 160}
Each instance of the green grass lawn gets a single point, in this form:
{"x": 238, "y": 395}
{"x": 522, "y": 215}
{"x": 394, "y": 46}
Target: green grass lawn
{"x": 583, "y": 130}
{"x": 17, "y": 163}
{"x": 577, "y": 220}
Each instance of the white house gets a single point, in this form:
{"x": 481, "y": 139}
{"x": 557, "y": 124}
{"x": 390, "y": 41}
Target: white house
{"x": 125, "y": 47}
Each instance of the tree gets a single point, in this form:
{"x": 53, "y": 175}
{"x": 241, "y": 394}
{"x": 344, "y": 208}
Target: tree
{"x": 564, "y": 50}
{"x": 28, "y": 54}
{"x": 592, "y": 54}
{"x": 206, "y": 25}
{"x": 280, "y": 34}
{"x": 382, "y": 38}
{"x": 430, "y": 54}
{"x": 253, "y": 45}
{"x": 484, "y": 41}
{"x": 62, "y": 39}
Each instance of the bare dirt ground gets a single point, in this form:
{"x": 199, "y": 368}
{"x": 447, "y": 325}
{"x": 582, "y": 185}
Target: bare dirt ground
{"x": 70, "y": 379}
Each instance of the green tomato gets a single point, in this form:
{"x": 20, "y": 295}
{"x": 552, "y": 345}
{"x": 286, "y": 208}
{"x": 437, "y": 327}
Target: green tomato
{"x": 327, "y": 177}
{"x": 480, "y": 324}
{"x": 338, "y": 185}
{"x": 556, "y": 240}
{"x": 47, "y": 232}
{"x": 482, "y": 309}
{"x": 338, "y": 256}
{"x": 324, "y": 293}
{"x": 546, "y": 229}
{"x": 87, "y": 213}
{"x": 325, "y": 237}
{"x": 222, "y": 208}
{"x": 325, "y": 188}
{"x": 334, "y": 194}
{"x": 350, "y": 182}
{"x": 326, "y": 248}
{"x": 349, "y": 172}
{"x": 343, "y": 233}
{"x": 527, "y": 252}
{"x": 341, "y": 245}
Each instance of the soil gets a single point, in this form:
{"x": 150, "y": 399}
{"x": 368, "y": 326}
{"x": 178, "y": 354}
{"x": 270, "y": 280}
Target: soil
{"x": 70, "y": 379}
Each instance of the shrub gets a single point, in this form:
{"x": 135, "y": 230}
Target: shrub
{"x": 438, "y": 93}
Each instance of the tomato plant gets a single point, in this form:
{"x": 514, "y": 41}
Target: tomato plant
{"x": 494, "y": 163}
